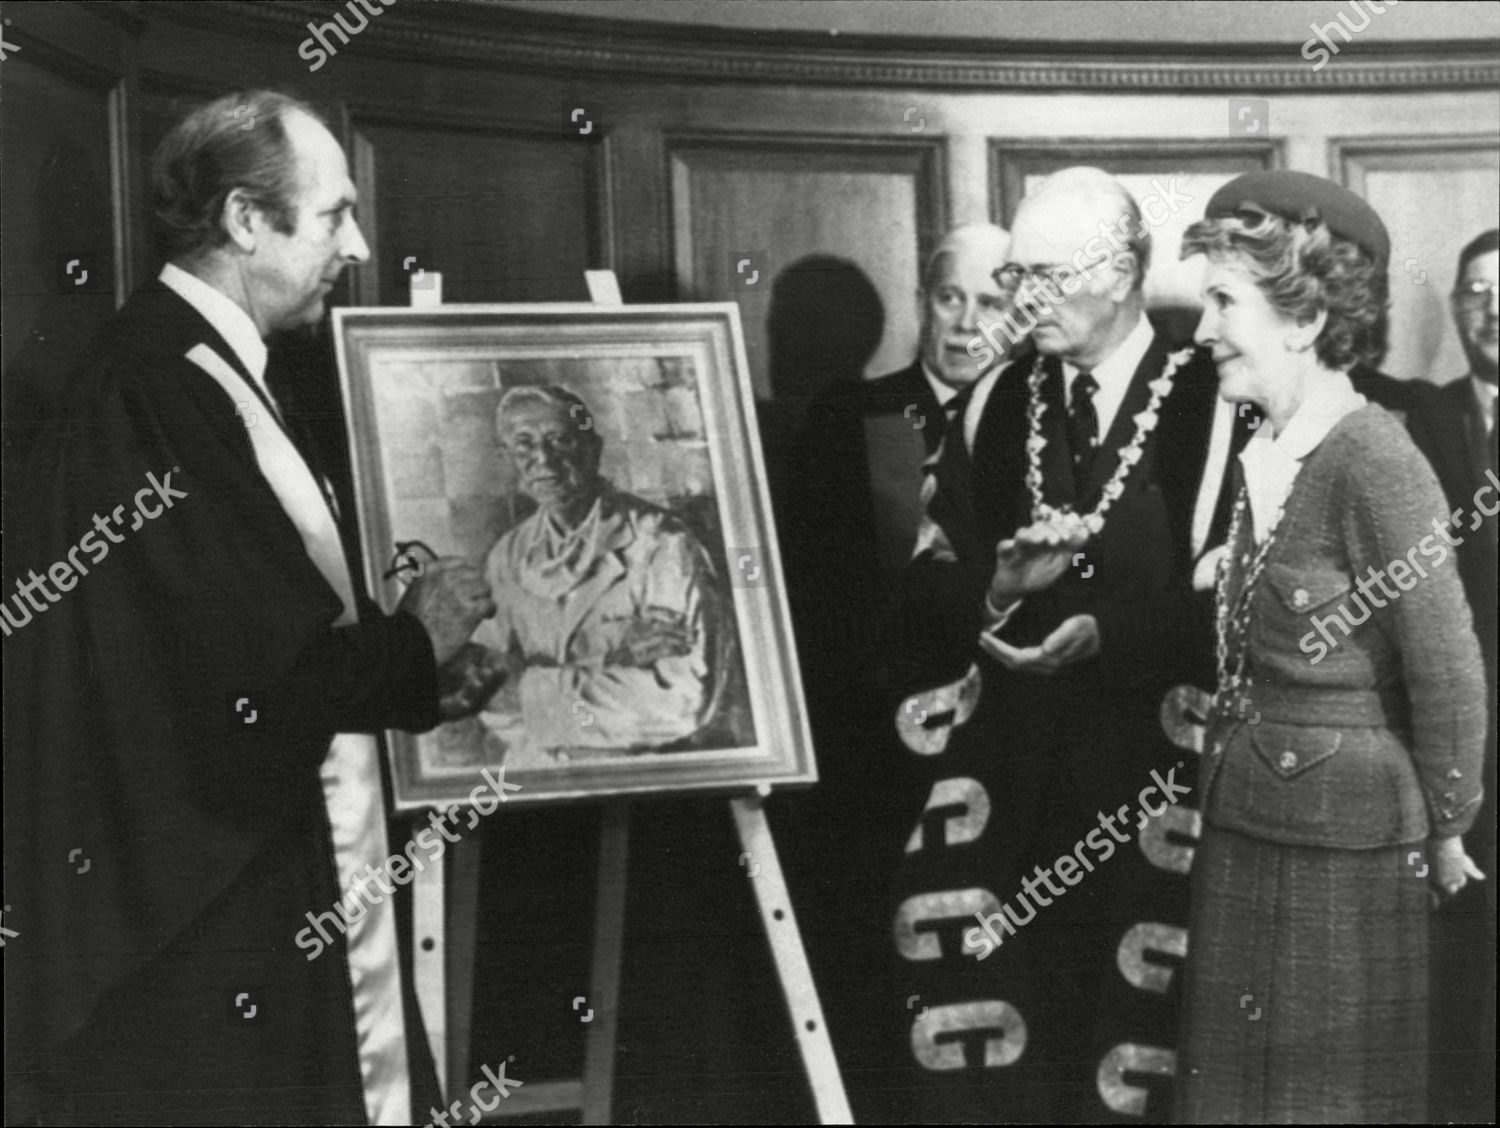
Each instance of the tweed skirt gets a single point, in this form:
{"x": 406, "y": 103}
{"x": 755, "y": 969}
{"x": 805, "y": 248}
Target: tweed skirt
{"x": 1305, "y": 998}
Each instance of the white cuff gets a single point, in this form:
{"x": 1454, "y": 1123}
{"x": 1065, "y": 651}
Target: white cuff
{"x": 995, "y": 619}
{"x": 1206, "y": 571}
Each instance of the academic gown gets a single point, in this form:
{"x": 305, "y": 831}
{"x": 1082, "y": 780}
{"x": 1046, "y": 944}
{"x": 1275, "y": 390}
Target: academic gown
{"x": 167, "y": 716}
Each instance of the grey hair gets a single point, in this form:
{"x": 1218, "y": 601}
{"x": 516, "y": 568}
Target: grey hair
{"x": 550, "y": 395}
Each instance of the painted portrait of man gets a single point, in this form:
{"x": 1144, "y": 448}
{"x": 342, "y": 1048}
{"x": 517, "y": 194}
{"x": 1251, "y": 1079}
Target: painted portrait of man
{"x": 610, "y": 626}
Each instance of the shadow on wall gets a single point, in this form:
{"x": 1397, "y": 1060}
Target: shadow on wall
{"x": 825, "y": 323}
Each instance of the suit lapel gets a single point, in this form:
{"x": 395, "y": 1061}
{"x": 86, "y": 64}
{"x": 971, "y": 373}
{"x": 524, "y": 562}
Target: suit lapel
{"x": 916, "y": 391}
{"x": 1476, "y": 438}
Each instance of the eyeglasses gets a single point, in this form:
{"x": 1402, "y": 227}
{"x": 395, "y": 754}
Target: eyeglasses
{"x": 1475, "y": 293}
{"x": 561, "y": 443}
{"x": 1013, "y": 275}
{"x": 406, "y": 559}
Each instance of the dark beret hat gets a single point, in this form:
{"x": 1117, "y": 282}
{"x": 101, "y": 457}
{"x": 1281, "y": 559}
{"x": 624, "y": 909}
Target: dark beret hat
{"x": 1298, "y": 195}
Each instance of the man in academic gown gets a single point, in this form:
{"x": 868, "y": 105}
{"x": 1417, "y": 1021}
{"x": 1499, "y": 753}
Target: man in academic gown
{"x": 194, "y": 675}
{"x": 1042, "y": 657}
{"x": 1455, "y": 427}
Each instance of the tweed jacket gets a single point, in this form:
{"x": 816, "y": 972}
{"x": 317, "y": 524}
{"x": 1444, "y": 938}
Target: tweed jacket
{"x": 1326, "y": 633}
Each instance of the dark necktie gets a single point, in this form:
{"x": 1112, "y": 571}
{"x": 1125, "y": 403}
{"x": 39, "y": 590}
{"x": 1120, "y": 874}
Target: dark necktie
{"x": 1083, "y": 426}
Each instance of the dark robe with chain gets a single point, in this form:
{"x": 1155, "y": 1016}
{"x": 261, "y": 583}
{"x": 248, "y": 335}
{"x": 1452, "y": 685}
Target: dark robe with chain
{"x": 1072, "y": 1015}
{"x": 162, "y": 849}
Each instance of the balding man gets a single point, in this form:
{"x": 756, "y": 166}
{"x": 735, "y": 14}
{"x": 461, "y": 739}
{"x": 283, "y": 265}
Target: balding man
{"x": 1054, "y": 577}
{"x": 192, "y": 768}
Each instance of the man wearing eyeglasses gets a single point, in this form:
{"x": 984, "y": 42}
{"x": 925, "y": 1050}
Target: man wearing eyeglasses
{"x": 1455, "y": 428}
{"x": 609, "y": 626}
{"x": 1074, "y": 501}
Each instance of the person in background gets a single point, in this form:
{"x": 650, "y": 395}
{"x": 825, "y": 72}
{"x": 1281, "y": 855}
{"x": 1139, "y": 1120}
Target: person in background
{"x": 1347, "y": 727}
{"x": 1455, "y": 428}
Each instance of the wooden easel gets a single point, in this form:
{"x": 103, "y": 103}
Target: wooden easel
{"x": 445, "y": 910}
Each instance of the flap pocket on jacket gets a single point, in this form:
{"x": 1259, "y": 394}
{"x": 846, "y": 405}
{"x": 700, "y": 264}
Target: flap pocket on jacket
{"x": 1290, "y": 750}
{"x": 1306, "y": 589}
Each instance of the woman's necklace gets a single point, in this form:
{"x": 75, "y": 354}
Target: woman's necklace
{"x": 1063, "y": 517}
{"x": 1233, "y": 622}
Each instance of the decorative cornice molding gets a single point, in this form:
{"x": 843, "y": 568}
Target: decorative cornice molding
{"x": 466, "y": 33}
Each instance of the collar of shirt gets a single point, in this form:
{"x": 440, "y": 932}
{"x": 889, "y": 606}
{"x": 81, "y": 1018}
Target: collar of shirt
{"x": 220, "y": 311}
{"x": 980, "y": 396}
{"x": 1113, "y": 375}
{"x": 944, "y": 392}
{"x": 1271, "y": 463}
{"x": 555, "y": 560}
{"x": 1484, "y": 393}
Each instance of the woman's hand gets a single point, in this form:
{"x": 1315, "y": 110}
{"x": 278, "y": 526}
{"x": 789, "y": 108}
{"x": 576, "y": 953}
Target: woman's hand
{"x": 1453, "y": 868}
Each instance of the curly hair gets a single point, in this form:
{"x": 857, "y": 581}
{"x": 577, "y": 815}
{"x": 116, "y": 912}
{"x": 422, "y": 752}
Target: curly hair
{"x": 237, "y": 141}
{"x": 1303, "y": 268}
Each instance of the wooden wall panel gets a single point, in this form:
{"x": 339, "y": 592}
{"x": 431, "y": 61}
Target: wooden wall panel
{"x": 833, "y": 232}
{"x": 57, "y": 223}
{"x": 1435, "y": 194}
{"x": 505, "y": 216}
{"x": 1182, "y": 174}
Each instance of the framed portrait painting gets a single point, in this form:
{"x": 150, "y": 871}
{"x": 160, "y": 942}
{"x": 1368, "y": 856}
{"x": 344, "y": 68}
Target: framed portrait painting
{"x": 600, "y": 464}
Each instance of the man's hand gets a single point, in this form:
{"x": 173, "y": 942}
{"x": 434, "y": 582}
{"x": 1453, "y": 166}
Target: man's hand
{"x": 1075, "y": 641}
{"x": 1031, "y": 561}
{"x": 450, "y": 598}
{"x": 650, "y": 638}
{"x": 468, "y": 680}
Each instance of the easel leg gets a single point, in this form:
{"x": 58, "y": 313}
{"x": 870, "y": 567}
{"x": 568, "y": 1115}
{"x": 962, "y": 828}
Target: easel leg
{"x": 604, "y": 977}
{"x": 791, "y": 962}
{"x": 461, "y": 915}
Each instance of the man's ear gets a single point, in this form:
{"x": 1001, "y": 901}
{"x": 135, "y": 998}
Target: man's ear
{"x": 241, "y": 220}
{"x": 1126, "y": 266}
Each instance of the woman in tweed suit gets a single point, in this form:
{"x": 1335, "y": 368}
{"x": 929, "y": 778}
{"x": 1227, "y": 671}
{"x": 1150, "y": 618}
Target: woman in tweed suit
{"x": 1343, "y": 756}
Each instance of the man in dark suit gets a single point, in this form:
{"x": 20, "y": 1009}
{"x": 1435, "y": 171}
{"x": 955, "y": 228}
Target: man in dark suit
{"x": 853, "y": 511}
{"x": 1455, "y": 428}
{"x": 1397, "y": 396}
{"x": 190, "y": 725}
{"x": 1066, "y": 556}
{"x": 847, "y": 527}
